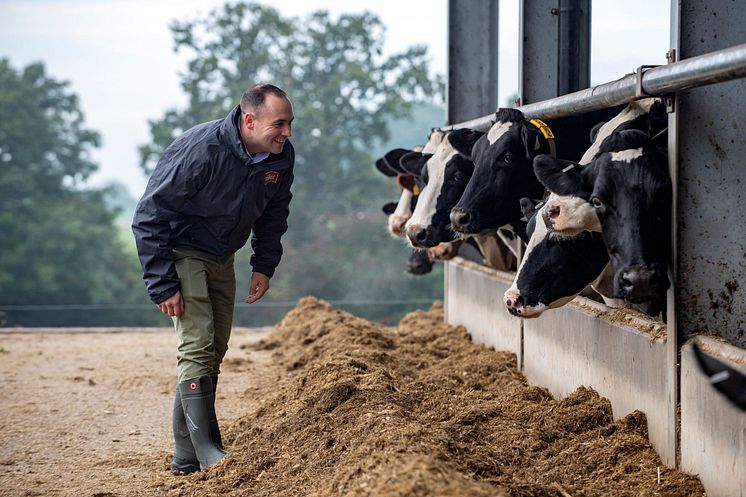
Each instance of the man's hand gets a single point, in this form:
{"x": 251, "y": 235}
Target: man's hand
{"x": 172, "y": 306}
{"x": 257, "y": 289}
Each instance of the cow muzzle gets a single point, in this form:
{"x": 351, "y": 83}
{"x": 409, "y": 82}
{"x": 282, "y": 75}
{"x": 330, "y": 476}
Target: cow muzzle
{"x": 460, "y": 220}
{"x": 396, "y": 225}
{"x": 516, "y": 305}
{"x": 419, "y": 237}
{"x": 641, "y": 283}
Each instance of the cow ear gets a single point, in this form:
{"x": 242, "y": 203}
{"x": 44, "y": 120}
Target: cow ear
{"x": 392, "y": 158}
{"x": 530, "y": 138}
{"x": 389, "y": 208}
{"x": 384, "y": 168}
{"x": 657, "y": 118}
{"x": 463, "y": 140}
{"x": 559, "y": 176}
{"x": 595, "y": 129}
{"x": 412, "y": 162}
{"x": 624, "y": 140}
{"x": 406, "y": 181}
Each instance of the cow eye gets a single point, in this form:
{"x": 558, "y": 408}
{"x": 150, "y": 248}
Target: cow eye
{"x": 595, "y": 202}
{"x": 508, "y": 158}
{"x": 458, "y": 176}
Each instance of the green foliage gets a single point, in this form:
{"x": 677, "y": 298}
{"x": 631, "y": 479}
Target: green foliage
{"x": 345, "y": 95}
{"x": 59, "y": 242}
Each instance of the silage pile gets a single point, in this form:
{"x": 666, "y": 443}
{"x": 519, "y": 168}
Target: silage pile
{"x": 419, "y": 410}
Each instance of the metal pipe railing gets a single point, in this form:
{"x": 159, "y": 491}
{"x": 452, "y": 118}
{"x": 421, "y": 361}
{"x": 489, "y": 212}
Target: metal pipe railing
{"x": 715, "y": 67}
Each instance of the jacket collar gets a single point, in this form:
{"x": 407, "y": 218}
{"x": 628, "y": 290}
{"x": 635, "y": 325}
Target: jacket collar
{"x": 231, "y": 135}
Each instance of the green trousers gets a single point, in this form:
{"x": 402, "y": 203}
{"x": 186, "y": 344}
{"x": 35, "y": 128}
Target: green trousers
{"x": 208, "y": 287}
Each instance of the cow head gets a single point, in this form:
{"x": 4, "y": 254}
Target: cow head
{"x": 626, "y": 192}
{"x": 419, "y": 263}
{"x": 554, "y": 268}
{"x": 444, "y": 176}
{"x": 502, "y": 174}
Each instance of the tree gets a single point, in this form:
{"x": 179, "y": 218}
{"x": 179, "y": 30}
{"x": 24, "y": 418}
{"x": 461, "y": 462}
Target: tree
{"x": 59, "y": 242}
{"x": 344, "y": 93}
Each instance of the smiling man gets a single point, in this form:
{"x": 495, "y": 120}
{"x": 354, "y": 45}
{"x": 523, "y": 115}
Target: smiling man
{"x": 214, "y": 185}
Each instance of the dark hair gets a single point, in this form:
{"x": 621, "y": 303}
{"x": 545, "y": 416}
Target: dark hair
{"x": 253, "y": 98}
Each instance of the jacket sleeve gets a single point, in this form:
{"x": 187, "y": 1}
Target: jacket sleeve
{"x": 173, "y": 182}
{"x": 269, "y": 228}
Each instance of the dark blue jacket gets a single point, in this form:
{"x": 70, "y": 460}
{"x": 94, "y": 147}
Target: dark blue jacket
{"x": 205, "y": 193}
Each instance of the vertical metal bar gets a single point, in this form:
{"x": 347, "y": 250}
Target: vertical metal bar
{"x": 711, "y": 246}
{"x": 537, "y": 50}
{"x": 673, "y": 339}
{"x": 472, "y": 59}
{"x": 574, "y": 46}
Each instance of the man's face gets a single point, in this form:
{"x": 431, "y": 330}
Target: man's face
{"x": 268, "y": 129}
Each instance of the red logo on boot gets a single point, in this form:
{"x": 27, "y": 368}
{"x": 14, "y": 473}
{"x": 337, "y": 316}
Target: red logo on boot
{"x": 193, "y": 386}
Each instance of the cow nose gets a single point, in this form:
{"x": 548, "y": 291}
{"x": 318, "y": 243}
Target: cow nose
{"x": 459, "y": 219}
{"x": 549, "y": 214}
{"x": 637, "y": 283}
{"x": 396, "y": 225}
{"x": 417, "y": 236}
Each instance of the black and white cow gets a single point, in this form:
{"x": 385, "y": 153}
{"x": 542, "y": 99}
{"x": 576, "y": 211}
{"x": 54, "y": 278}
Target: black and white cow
{"x": 555, "y": 268}
{"x": 444, "y": 175}
{"x": 628, "y": 190}
{"x": 533, "y": 291}
{"x": 503, "y": 167}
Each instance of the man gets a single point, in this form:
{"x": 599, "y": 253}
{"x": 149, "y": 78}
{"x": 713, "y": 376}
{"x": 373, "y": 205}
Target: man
{"x": 212, "y": 187}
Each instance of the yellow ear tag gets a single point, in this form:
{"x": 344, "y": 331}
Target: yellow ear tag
{"x": 545, "y": 131}
{"x": 416, "y": 190}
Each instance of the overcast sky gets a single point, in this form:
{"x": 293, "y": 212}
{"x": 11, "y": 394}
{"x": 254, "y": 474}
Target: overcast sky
{"x": 118, "y": 57}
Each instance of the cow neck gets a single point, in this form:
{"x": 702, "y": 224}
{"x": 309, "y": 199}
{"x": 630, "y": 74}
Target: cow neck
{"x": 546, "y": 132}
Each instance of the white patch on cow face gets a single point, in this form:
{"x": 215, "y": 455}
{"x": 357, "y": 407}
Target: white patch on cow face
{"x": 436, "y": 138}
{"x": 512, "y": 294}
{"x": 428, "y": 199}
{"x": 401, "y": 215}
{"x": 569, "y": 215}
{"x": 626, "y": 155}
{"x": 497, "y": 130}
{"x": 629, "y": 113}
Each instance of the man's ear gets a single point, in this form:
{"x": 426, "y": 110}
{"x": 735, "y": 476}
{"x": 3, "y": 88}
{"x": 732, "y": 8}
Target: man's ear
{"x": 562, "y": 177}
{"x": 463, "y": 140}
{"x": 248, "y": 119}
{"x": 413, "y": 162}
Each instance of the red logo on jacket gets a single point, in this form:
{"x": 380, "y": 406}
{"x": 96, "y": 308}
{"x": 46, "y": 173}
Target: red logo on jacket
{"x": 271, "y": 177}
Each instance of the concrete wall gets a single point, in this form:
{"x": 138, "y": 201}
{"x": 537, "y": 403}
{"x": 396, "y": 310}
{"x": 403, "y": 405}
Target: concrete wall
{"x": 713, "y": 431}
{"x": 585, "y": 344}
{"x": 474, "y": 299}
{"x": 576, "y": 345}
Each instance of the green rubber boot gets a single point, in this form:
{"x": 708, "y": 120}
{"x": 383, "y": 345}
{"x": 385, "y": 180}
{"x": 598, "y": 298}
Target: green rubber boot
{"x": 185, "y": 459}
{"x": 198, "y": 401}
{"x": 214, "y": 428}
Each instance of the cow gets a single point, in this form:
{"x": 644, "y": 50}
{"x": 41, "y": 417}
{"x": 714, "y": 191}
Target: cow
{"x": 532, "y": 292}
{"x": 555, "y": 268}
{"x": 444, "y": 175}
{"x": 420, "y": 261}
{"x": 503, "y": 167}
{"x": 626, "y": 195}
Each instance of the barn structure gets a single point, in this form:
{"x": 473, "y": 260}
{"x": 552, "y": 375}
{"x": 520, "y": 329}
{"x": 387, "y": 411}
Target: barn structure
{"x": 636, "y": 364}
